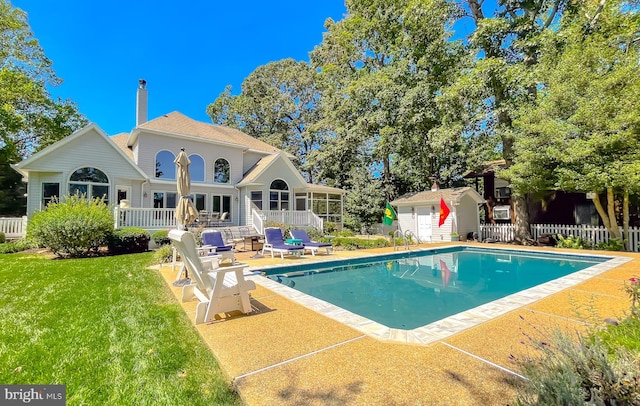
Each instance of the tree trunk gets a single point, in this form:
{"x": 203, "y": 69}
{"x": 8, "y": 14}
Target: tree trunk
{"x": 609, "y": 222}
{"x": 522, "y": 230}
{"x": 625, "y": 220}
{"x": 611, "y": 209}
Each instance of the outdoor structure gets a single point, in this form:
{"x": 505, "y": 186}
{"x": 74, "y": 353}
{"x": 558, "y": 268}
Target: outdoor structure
{"x": 236, "y": 179}
{"x": 420, "y": 213}
{"x": 553, "y": 207}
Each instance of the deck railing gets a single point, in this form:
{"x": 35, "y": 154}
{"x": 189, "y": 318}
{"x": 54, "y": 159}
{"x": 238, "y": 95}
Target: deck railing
{"x": 162, "y": 219}
{"x": 595, "y": 235}
{"x": 13, "y": 227}
{"x": 147, "y": 218}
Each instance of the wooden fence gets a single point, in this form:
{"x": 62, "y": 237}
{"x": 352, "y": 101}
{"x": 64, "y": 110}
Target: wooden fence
{"x": 595, "y": 235}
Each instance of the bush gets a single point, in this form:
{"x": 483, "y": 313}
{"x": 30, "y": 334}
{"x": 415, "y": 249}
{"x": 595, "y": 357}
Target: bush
{"x": 75, "y": 227}
{"x": 163, "y": 255}
{"x": 161, "y": 238}
{"x": 346, "y": 233}
{"x": 580, "y": 373}
{"x": 573, "y": 242}
{"x": 129, "y": 240}
{"x": 3, "y": 238}
{"x": 614, "y": 244}
{"x": 9, "y": 248}
{"x": 330, "y": 227}
{"x": 359, "y": 243}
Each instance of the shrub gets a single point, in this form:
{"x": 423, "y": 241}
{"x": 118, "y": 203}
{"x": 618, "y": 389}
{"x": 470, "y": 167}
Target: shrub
{"x": 161, "y": 238}
{"x": 9, "y": 248}
{"x": 614, "y": 244}
{"x": 129, "y": 240}
{"x": 359, "y": 243}
{"x": 330, "y": 227}
{"x": 346, "y": 233}
{"x": 163, "y": 254}
{"x": 75, "y": 226}
{"x": 571, "y": 373}
{"x": 3, "y": 238}
{"x": 573, "y": 242}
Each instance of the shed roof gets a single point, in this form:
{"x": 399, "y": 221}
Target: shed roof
{"x": 434, "y": 196}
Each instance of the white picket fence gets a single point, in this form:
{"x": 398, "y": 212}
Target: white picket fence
{"x": 505, "y": 232}
{"x": 13, "y": 227}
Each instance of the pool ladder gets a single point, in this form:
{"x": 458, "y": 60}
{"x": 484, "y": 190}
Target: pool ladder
{"x": 406, "y": 237}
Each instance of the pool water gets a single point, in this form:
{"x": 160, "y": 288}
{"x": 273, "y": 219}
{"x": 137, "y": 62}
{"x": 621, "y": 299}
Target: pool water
{"x": 414, "y": 289}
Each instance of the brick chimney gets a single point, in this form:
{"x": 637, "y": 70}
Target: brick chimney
{"x": 142, "y": 103}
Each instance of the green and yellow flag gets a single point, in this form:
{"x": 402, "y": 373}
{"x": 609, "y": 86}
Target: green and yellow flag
{"x": 389, "y": 215}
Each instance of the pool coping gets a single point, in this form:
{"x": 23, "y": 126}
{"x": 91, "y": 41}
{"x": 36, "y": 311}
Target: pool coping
{"x": 438, "y": 330}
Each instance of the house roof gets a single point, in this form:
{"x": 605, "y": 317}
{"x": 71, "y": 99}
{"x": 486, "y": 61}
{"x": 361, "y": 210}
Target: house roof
{"x": 433, "y": 196}
{"x": 178, "y": 123}
{"x": 121, "y": 141}
{"x": 252, "y": 175}
{"x": 486, "y": 168}
{"x": 324, "y": 189}
{"x": 25, "y": 166}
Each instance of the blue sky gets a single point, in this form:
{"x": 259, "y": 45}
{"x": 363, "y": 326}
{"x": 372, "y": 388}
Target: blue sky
{"x": 186, "y": 51}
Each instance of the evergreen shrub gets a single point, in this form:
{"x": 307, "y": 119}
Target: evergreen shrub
{"x": 161, "y": 238}
{"x": 129, "y": 240}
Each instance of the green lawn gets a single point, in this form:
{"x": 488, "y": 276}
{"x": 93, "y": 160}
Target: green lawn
{"x": 107, "y": 328}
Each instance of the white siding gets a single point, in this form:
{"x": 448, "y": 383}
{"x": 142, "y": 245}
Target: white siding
{"x": 250, "y": 159}
{"x": 92, "y": 150}
{"x": 406, "y": 221}
{"x": 280, "y": 170}
{"x": 150, "y": 144}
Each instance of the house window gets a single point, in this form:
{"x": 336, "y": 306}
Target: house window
{"x": 221, "y": 171}
{"x": 196, "y": 169}
{"x": 165, "y": 200}
{"x": 301, "y": 201}
{"x": 165, "y": 167}
{"x": 90, "y": 182}
{"x": 50, "y": 192}
{"x": 501, "y": 213}
{"x": 221, "y": 204}
{"x": 256, "y": 199}
{"x": 327, "y": 206}
{"x": 279, "y": 195}
{"x": 200, "y": 201}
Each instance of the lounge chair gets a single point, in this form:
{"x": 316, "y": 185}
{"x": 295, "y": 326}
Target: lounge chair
{"x": 274, "y": 242}
{"x": 219, "y": 289}
{"x": 212, "y": 239}
{"x": 309, "y": 245}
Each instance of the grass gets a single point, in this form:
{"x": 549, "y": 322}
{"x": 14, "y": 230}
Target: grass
{"x": 107, "y": 328}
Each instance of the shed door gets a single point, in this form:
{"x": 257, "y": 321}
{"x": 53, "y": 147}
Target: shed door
{"x": 424, "y": 224}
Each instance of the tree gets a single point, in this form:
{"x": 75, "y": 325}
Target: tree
{"x": 279, "y": 105}
{"x": 583, "y": 133}
{"x": 29, "y": 118}
{"x": 506, "y": 47}
{"x": 382, "y": 68}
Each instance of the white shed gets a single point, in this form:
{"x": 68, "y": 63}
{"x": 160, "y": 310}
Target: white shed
{"x": 420, "y": 213}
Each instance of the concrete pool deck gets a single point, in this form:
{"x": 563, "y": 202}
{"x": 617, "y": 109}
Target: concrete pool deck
{"x": 286, "y": 353}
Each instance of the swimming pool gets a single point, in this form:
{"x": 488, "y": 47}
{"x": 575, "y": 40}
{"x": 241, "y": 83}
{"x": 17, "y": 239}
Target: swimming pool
{"x": 432, "y": 293}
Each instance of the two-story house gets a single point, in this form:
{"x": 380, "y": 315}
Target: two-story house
{"x": 231, "y": 172}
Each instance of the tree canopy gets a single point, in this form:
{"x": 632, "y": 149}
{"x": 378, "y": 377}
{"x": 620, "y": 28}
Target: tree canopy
{"x": 30, "y": 119}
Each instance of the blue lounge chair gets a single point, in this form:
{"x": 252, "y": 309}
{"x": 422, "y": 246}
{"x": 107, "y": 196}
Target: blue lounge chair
{"x": 274, "y": 242}
{"x": 213, "y": 242}
{"x": 309, "y": 245}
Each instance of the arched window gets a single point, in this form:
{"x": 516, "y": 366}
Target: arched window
{"x": 221, "y": 171}
{"x": 196, "y": 169}
{"x": 165, "y": 167}
{"x": 90, "y": 182}
{"x": 279, "y": 195}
